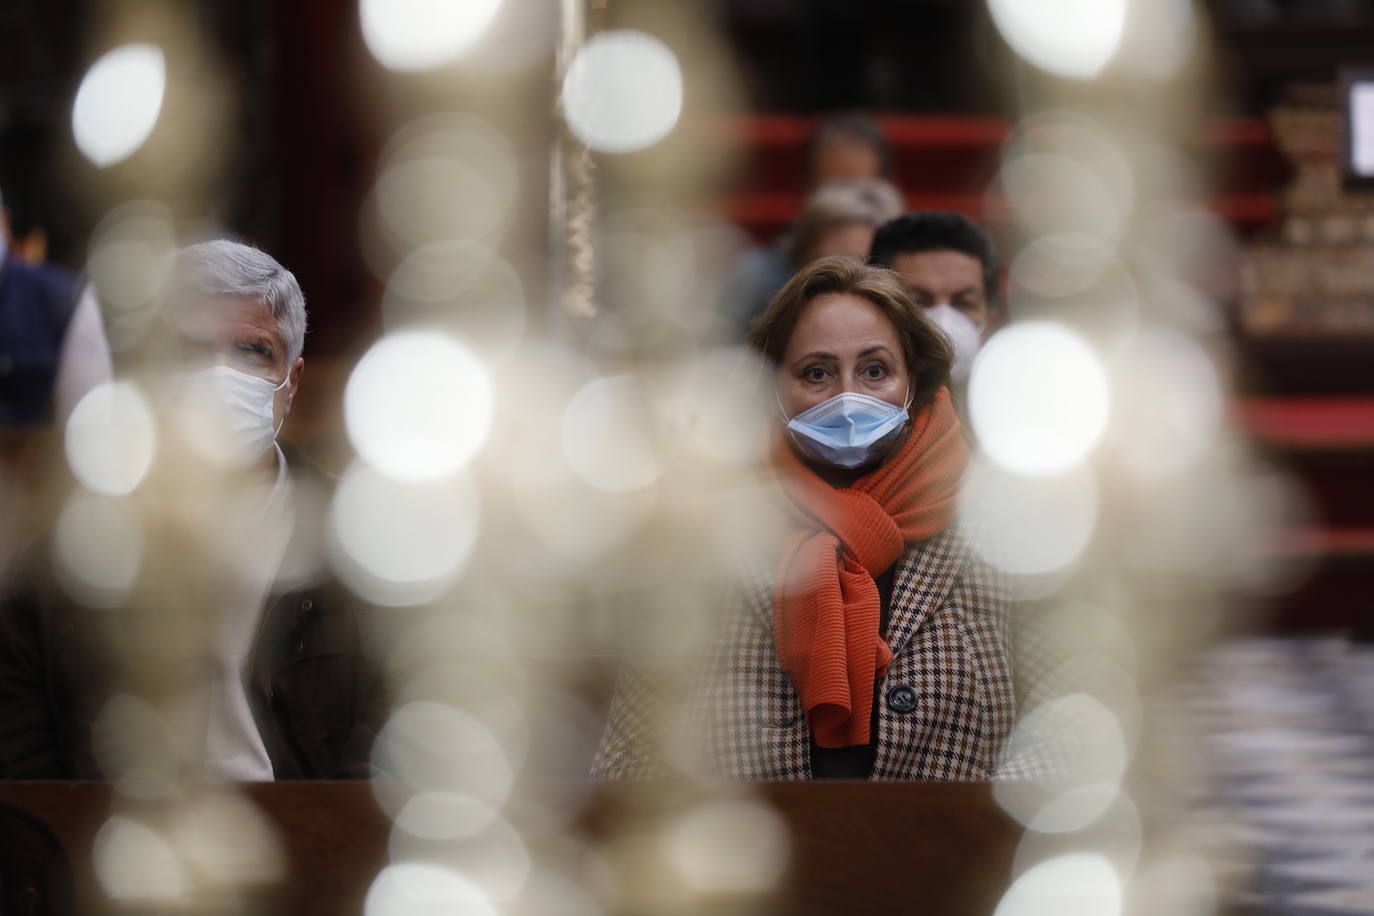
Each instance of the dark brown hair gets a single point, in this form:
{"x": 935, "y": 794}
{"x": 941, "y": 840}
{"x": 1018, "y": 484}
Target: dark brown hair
{"x": 924, "y": 346}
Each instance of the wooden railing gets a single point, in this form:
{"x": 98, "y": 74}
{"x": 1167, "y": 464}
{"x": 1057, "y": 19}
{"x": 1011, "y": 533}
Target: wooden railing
{"x": 932, "y": 848}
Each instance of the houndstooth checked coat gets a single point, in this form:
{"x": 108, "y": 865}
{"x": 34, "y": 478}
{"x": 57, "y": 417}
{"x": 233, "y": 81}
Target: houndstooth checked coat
{"x": 948, "y": 636}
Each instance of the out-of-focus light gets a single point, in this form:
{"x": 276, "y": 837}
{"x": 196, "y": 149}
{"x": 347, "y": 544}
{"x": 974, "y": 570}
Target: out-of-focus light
{"x": 1059, "y": 265}
{"x": 1015, "y": 532}
{"x": 495, "y": 860}
{"x": 552, "y": 500}
{"x": 418, "y": 405}
{"x": 729, "y": 846}
{"x": 411, "y": 888}
{"x": 606, "y": 436}
{"x": 551, "y": 892}
{"x": 134, "y": 862}
{"x": 110, "y": 438}
{"x": 99, "y": 548}
{"x": 463, "y": 285}
{"x": 622, "y": 92}
{"x": 1076, "y": 884}
{"x": 399, "y": 543}
{"x": 654, "y": 270}
{"x": 1038, "y": 398}
{"x": 1064, "y": 171}
{"x": 705, "y": 406}
{"x": 445, "y": 816}
{"x": 227, "y": 840}
{"x": 442, "y": 178}
{"x": 130, "y": 252}
{"x": 1171, "y": 405}
{"x": 1179, "y": 883}
{"x": 1071, "y": 742}
{"x": 1114, "y": 830}
{"x": 1159, "y": 38}
{"x": 411, "y": 35}
{"x": 1074, "y": 809}
{"x": 428, "y": 746}
{"x": 556, "y": 509}
{"x": 118, "y": 102}
{"x": 1070, "y": 38}
{"x": 480, "y": 685}
{"x": 134, "y": 749}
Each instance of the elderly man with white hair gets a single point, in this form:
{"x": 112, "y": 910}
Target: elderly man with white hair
{"x": 291, "y": 692}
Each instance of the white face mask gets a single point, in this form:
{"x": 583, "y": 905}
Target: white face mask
{"x": 963, "y": 334}
{"x": 233, "y": 411}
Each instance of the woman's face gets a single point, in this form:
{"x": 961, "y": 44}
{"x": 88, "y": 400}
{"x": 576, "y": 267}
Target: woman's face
{"x": 841, "y": 343}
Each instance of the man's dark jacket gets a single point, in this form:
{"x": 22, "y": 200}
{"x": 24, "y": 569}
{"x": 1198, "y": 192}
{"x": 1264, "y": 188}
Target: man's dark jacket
{"x": 313, "y": 687}
{"x": 36, "y": 305}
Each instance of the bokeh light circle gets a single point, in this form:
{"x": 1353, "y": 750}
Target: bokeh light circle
{"x": 1075, "y": 884}
{"x": 418, "y": 405}
{"x": 1029, "y": 526}
{"x": 118, "y": 102}
{"x": 401, "y": 543}
{"x": 441, "y": 178}
{"x": 98, "y": 548}
{"x": 729, "y": 846}
{"x": 622, "y": 92}
{"x": 1172, "y": 405}
{"x": 428, "y": 747}
{"x": 462, "y": 285}
{"x": 132, "y": 861}
{"x": 410, "y": 888}
{"x": 1038, "y": 398}
{"x": 1070, "y": 38}
{"x": 1078, "y": 751}
{"x": 110, "y": 438}
{"x": 411, "y": 35}
{"x": 607, "y": 438}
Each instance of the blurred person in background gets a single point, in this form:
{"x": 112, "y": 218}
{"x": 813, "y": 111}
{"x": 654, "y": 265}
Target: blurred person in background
{"x": 52, "y": 352}
{"x": 52, "y": 346}
{"x": 846, "y": 146}
{"x": 870, "y": 644}
{"x": 838, "y": 218}
{"x": 949, "y": 265}
{"x": 290, "y": 693}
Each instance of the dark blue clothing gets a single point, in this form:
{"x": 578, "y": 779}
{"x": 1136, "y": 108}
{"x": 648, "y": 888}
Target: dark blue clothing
{"x": 36, "y": 305}
{"x": 757, "y": 277}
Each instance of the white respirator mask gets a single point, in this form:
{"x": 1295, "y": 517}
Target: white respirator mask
{"x": 233, "y": 410}
{"x": 965, "y": 337}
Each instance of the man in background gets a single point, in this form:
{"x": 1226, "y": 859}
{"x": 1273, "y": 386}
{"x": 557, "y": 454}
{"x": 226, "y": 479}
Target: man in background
{"x": 950, "y": 265}
{"x": 231, "y": 607}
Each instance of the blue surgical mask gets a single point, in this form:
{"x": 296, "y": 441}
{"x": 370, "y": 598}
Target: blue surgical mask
{"x": 846, "y": 430}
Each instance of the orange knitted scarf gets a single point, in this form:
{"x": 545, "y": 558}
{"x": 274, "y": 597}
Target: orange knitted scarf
{"x": 825, "y": 603}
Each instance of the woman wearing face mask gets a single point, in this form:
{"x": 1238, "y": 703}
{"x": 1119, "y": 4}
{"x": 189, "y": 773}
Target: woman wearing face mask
{"x": 871, "y": 645}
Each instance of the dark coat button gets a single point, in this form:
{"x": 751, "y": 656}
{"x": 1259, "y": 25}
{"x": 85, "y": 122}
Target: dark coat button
{"x": 307, "y": 604}
{"x": 901, "y": 699}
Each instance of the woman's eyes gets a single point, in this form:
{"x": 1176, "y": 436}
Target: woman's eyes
{"x": 872, "y": 372}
